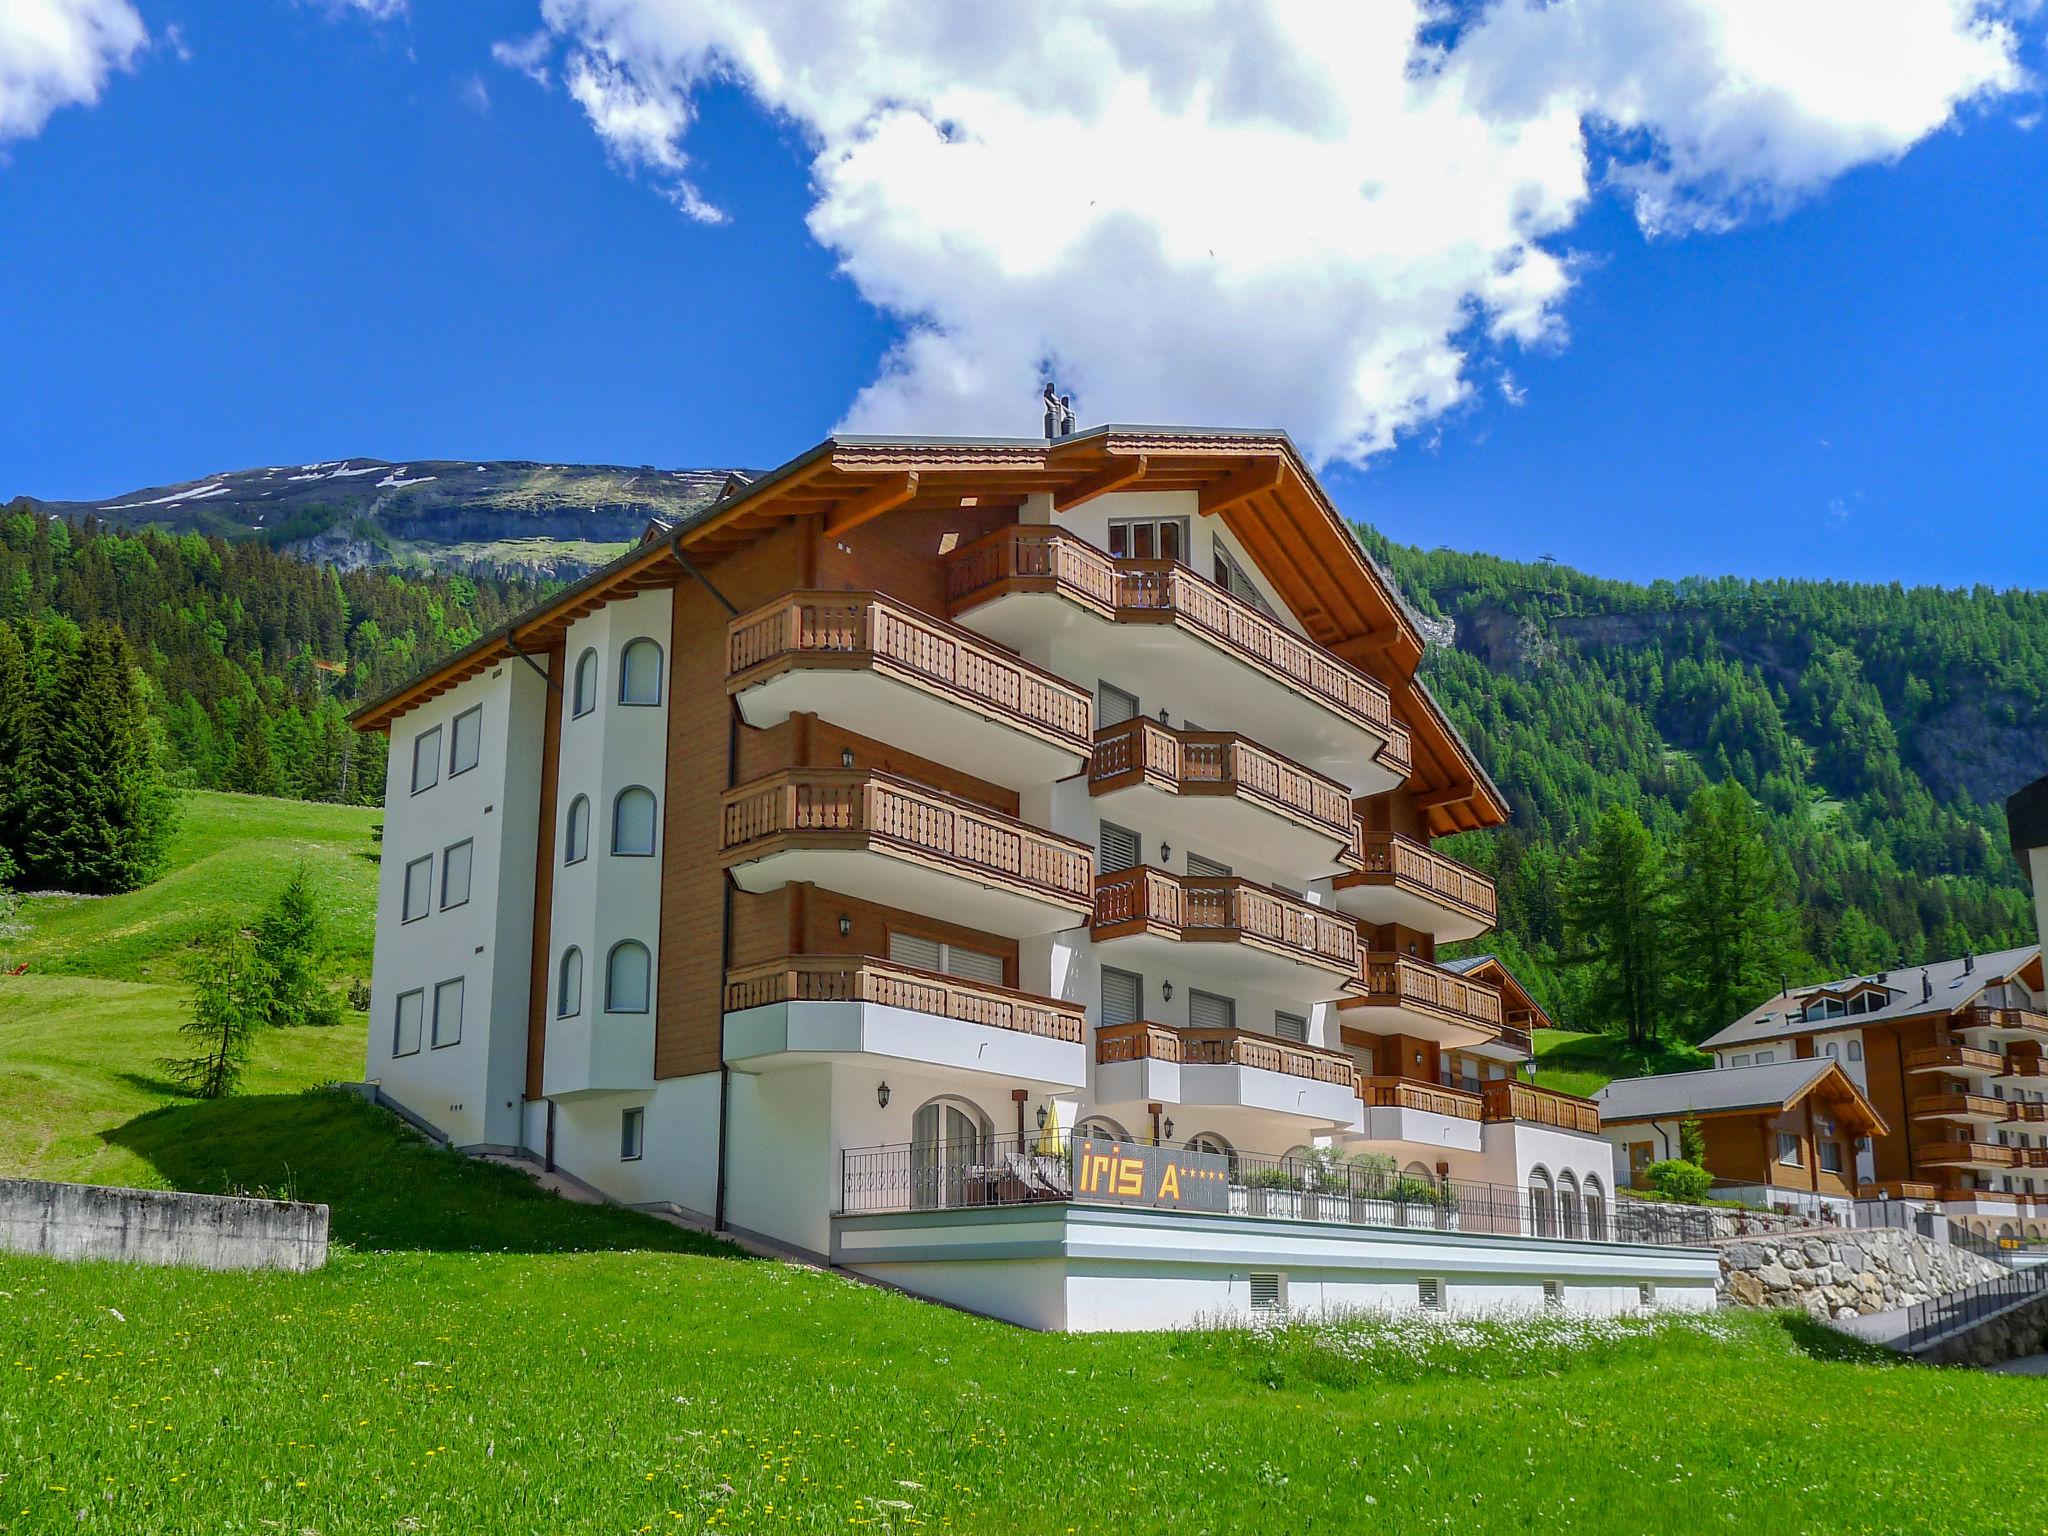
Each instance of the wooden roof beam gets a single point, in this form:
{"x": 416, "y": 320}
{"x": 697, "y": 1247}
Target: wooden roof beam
{"x": 1260, "y": 475}
{"x": 1120, "y": 473}
{"x": 886, "y": 497}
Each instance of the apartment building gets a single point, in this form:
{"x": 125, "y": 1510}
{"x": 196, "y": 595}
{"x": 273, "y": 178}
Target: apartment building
{"x": 1004, "y": 867}
{"x": 1950, "y": 1092}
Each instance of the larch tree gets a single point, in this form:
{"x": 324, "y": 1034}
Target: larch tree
{"x": 1734, "y": 935}
{"x": 1617, "y": 910}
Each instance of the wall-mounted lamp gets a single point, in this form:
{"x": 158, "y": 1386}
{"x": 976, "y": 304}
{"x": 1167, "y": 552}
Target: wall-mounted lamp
{"x": 1162, "y": 714}
{"x": 846, "y": 757}
{"x": 1041, "y": 1117}
{"x": 1166, "y": 853}
{"x": 882, "y": 1096}
{"x": 1166, "y": 990}
{"x": 1168, "y": 1128}
{"x": 845, "y": 925}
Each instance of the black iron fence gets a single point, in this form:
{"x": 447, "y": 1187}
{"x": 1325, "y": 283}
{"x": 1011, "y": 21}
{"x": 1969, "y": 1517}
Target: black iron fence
{"x": 1930, "y": 1320}
{"x": 1909, "y": 1216}
{"x": 1319, "y": 1186}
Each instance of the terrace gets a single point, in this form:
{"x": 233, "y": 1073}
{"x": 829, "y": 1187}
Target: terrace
{"x": 1407, "y": 995}
{"x": 1157, "y": 1063}
{"x": 1395, "y": 879}
{"x": 1278, "y": 943}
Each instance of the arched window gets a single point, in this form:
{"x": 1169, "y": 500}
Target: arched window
{"x": 1103, "y": 1128}
{"x": 569, "y": 984}
{"x": 584, "y": 699}
{"x": 948, "y": 1139}
{"x": 640, "y": 673}
{"x": 1855, "y": 1050}
{"x": 1596, "y": 1209}
{"x": 1542, "y": 1202}
{"x": 625, "y": 978}
{"x": 1830, "y": 1050}
{"x": 633, "y": 822}
{"x": 576, "y": 832}
{"x": 1210, "y": 1142}
{"x": 1568, "y": 1203}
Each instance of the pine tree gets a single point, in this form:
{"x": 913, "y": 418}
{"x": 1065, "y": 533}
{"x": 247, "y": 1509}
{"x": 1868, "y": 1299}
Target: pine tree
{"x": 1734, "y": 934}
{"x": 230, "y": 991}
{"x": 16, "y": 699}
{"x": 95, "y": 807}
{"x": 290, "y": 940}
{"x": 1617, "y": 913}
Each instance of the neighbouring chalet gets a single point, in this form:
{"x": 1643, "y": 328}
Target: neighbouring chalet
{"x": 1784, "y": 1133}
{"x": 1002, "y": 867}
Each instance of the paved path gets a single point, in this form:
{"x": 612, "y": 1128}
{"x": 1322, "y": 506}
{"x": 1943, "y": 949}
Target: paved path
{"x": 2027, "y": 1365}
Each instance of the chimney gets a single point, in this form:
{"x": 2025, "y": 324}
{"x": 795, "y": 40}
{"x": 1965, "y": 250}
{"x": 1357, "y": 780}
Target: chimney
{"x": 1051, "y": 402}
{"x": 1926, "y": 988}
{"x": 1066, "y": 414}
{"x": 1969, "y": 965}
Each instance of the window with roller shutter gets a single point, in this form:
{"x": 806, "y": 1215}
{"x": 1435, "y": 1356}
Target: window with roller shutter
{"x": 1123, "y": 997}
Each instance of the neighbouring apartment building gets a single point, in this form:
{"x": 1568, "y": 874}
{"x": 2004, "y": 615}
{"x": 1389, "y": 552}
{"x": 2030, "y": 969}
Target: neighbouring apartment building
{"x": 1002, "y": 867}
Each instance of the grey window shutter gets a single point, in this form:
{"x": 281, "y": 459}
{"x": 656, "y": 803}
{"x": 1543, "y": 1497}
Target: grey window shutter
{"x": 1197, "y": 865}
{"x": 1120, "y": 848}
{"x": 1123, "y": 997}
{"x": 1208, "y": 1011}
{"x": 915, "y": 950}
{"x": 976, "y": 965}
{"x": 1291, "y": 1026}
{"x": 1113, "y": 706}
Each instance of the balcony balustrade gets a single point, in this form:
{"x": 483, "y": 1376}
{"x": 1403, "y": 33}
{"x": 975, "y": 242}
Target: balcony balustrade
{"x": 2006, "y": 1024}
{"x": 1146, "y": 1041}
{"x": 1956, "y": 1061}
{"x": 1962, "y": 1108}
{"x": 1503, "y": 1099}
{"x": 1407, "y": 1093}
{"x": 1395, "y": 879}
{"x": 1283, "y": 943}
{"x": 1410, "y": 996}
{"x": 857, "y": 979}
{"x": 1962, "y": 1154}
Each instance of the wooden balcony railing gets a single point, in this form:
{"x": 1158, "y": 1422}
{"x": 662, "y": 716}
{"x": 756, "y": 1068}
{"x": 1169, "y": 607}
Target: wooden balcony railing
{"x": 1951, "y": 1154}
{"x": 848, "y": 807}
{"x": 855, "y": 979}
{"x": 2024, "y": 1066}
{"x": 1403, "y": 981}
{"x": 1221, "y": 907}
{"x": 2033, "y": 1024}
{"x": 1954, "y": 1058}
{"x": 864, "y": 629}
{"x": 1502, "y": 1099}
{"x": 1388, "y": 858}
{"x": 1933, "y": 1106}
{"x": 1406, "y": 1093}
{"x": 2029, "y": 1157}
{"x": 1037, "y": 558}
{"x": 1900, "y": 1189}
{"x": 1216, "y": 763}
{"x": 2029, "y": 1113}
{"x": 1222, "y": 1047}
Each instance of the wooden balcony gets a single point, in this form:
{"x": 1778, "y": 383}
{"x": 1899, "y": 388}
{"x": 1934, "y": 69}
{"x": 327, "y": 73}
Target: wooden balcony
{"x": 1955, "y": 1061}
{"x": 855, "y": 979}
{"x": 2029, "y": 1157}
{"x": 883, "y": 669}
{"x": 1282, "y": 943}
{"x": 1899, "y": 1189}
{"x": 894, "y": 842}
{"x": 2029, "y": 1114}
{"x": 1407, "y": 996}
{"x": 1222, "y": 1047}
{"x": 1962, "y": 1154}
{"x": 2025, "y": 1071}
{"x": 1504, "y": 1099}
{"x": 1407, "y": 1093}
{"x": 1001, "y": 584}
{"x": 2007, "y": 1024}
{"x": 1223, "y": 791}
{"x": 1960, "y": 1108}
{"x": 1395, "y": 879}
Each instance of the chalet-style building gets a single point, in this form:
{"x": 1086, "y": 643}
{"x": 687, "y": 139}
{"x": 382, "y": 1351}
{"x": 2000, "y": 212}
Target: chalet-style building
{"x": 1002, "y": 867}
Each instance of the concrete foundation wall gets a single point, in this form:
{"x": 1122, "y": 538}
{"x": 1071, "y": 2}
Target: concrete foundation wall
{"x": 149, "y": 1226}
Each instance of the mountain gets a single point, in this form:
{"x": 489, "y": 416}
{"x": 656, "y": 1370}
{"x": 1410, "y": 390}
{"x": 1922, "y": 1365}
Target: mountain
{"x": 553, "y": 521}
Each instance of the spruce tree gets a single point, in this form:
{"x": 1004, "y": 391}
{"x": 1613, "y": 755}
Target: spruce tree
{"x": 94, "y": 805}
{"x": 16, "y": 698}
{"x": 252, "y": 770}
{"x": 1734, "y": 933}
{"x": 290, "y": 940}
{"x": 1617, "y": 914}
{"x": 230, "y": 991}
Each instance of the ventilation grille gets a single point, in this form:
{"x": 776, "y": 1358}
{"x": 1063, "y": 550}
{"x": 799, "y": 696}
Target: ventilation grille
{"x": 1553, "y": 1295}
{"x": 1429, "y": 1295}
{"x": 1266, "y": 1292}
{"x": 1646, "y": 1293}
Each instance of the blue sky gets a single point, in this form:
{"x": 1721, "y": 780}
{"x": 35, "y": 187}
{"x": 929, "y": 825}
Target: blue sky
{"x": 319, "y": 233}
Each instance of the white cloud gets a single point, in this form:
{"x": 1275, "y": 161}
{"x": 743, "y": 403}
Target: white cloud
{"x": 528, "y": 55}
{"x": 59, "y": 53}
{"x": 1269, "y": 211}
{"x": 473, "y": 94}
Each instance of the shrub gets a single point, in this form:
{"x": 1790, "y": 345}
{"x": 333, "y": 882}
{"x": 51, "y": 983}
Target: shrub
{"x": 1678, "y": 1179}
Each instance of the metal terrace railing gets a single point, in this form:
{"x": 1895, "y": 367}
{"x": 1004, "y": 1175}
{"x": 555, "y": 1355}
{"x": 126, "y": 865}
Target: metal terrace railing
{"x": 1077, "y": 1168}
{"x": 1928, "y": 1321}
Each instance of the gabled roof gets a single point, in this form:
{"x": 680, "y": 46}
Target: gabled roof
{"x": 1516, "y": 996}
{"x": 1727, "y": 1090}
{"x": 1950, "y": 984}
{"x": 1254, "y": 480}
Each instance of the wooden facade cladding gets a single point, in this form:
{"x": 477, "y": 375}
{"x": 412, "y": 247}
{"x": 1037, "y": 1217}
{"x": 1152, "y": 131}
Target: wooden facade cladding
{"x": 1407, "y": 1093}
{"x": 1035, "y": 558}
{"x": 868, "y": 630}
{"x": 1503, "y": 1099}
{"x": 1145, "y": 1041}
{"x": 1404, "y": 981}
{"x": 540, "y": 995}
{"x": 850, "y": 808}
{"x": 1188, "y": 762}
{"x": 1388, "y": 858}
{"x": 860, "y": 979}
{"x": 1224, "y": 908}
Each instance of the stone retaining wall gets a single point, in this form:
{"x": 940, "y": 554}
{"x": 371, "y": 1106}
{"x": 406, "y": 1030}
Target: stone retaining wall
{"x": 155, "y": 1226}
{"x": 1833, "y": 1273}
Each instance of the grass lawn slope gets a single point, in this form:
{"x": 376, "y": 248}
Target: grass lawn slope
{"x": 1584, "y": 1064}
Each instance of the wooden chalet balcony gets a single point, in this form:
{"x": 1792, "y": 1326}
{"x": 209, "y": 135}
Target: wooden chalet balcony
{"x": 894, "y": 842}
{"x": 2026, "y": 1071}
{"x": 1956, "y": 1061}
{"x": 1961, "y": 1108}
{"x": 1429, "y": 1098}
{"x": 856, "y": 979}
{"x": 1395, "y": 879}
{"x": 1900, "y": 1189}
{"x": 1404, "y": 995}
{"x": 2007, "y": 1024}
{"x": 1280, "y": 942}
{"x": 1222, "y": 790}
{"x": 1222, "y": 1047}
{"x": 1030, "y": 583}
{"x": 2029, "y": 1157}
{"x": 1962, "y": 1154}
{"x": 2028, "y": 1114}
{"x": 1503, "y": 1099}
{"x": 886, "y": 670}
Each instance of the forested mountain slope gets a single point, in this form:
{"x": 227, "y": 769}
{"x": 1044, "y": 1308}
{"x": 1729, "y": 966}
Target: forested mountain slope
{"x": 1878, "y": 727}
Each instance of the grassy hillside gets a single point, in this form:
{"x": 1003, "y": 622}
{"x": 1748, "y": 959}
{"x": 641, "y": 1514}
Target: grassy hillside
{"x": 1584, "y": 1063}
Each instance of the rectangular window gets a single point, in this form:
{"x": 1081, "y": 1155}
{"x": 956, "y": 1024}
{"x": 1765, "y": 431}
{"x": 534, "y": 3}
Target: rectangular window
{"x": 1788, "y": 1149}
{"x": 1118, "y": 848}
{"x": 405, "y": 1026}
{"x": 632, "y": 1134}
{"x": 426, "y": 760}
{"x": 977, "y": 965}
{"x": 1231, "y": 577}
{"x": 1831, "y": 1157}
{"x": 1123, "y": 997}
{"x": 1738, "y": 1061}
{"x": 1207, "y": 868}
{"x": 447, "y": 1012}
{"x": 1291, "y": 1026}
{"x": 468, "y": 741}
{"x": 419, "y": 888}
{"x": 1765, "y": 1058}
{"x": 1149, "y": 538}
{"x": 455, "y": 873}
{"x": 1113, "y": 706}
{"x": 1208, "y": 1011}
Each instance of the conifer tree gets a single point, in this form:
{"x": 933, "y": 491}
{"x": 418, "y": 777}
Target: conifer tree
{"x": 290, "y": 940}
{"x": 1733, "y": 932}
{"x": 16, "y": 697}
{"x": 229, "y": 994}
{"x": 252, "y": 770}
{"x": 1617, "y": 915}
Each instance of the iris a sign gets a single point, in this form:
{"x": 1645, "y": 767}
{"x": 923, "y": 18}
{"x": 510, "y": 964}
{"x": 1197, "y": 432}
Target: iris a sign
{"x": 1124, "y": 1173}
